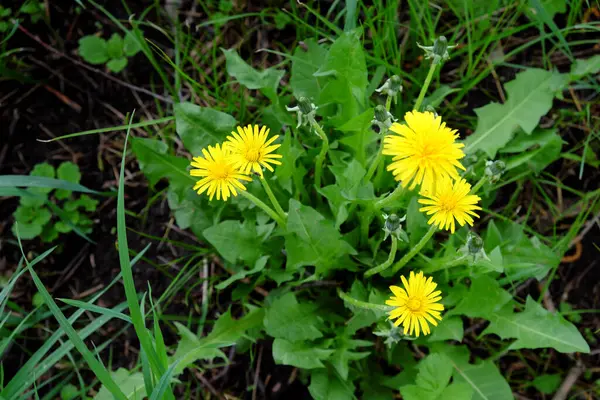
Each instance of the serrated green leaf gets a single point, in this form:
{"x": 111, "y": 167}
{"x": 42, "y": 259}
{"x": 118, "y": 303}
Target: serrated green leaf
{"x": 235, "y": 241}
{"x": 530, "y": 97}
{"x": 258, "y": 266}
{"x": 536, "y": 328}
{"x": 291, "y": 151}
{"x": 226, "y": 332}
{"x": 449, "y": 328}
{"x": 544, "y": 147}
{"x": 267, "y": 80}
{"x": 288, "y": 319}
{"x": 199, "y": 127}
{"x": 304, "y": 65}
{"x": 93, "y": 49}
{"x": 131, "y": 384}
{"x": 584, "y": 67}
{"x": 299, "y": 354}
{"x": 313, "y": 240}
{"x": 156, "y": 164}
{"x": 325, "y": 384}
{"x": 484, "y": 297}
{"x": 116, "y": 65}
{"x": 345, "y": 351}
{"x": 114, "y": 46}
{"x": 363, "y": 136}
{"x": 433, "y": 377}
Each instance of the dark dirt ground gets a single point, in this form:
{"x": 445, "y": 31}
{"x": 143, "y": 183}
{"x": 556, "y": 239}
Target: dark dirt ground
{"x": 63, "y": 97}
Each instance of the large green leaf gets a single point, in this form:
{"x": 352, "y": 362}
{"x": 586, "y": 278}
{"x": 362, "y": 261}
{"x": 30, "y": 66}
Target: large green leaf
{"x": 156, "y": 164}
{"x": 363, "y": 135}
{"x": 226, "y": 332}
{"x": 485, "y": 296}
{"x": 536, "y": 328}
{"x": 199, "y": 127}
{"x": 325, "y": 384}
{"x": 313, "y": 240}
{"x": 299, "y": 354}
{"x": 432, "y": 381}
{"x": 345, "y": 351}
{"x": 267, "y": 81}
{"x": 530, "y": 97}
{"x": 235, "y": 240}
{"x": 132, "y": 385}
{"x": 483, "y": 377}
{"x": 304, "y": 64}
{"x": 584, "y": 67}
{"x": 535, "y": 151}
{"x": 290, "y": 320}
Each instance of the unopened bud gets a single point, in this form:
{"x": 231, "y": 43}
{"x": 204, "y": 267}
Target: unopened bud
{"x": 494, "y": 170}
{"x": 474, "y": 247}
{"x": 391, "y": 87}
{"x": 305, "y": 105}
{"x": 431, "y": 110}
{"x": 393, "y": 226}
{"x": 439, "y": 50}
{"x": 381, "y": 114}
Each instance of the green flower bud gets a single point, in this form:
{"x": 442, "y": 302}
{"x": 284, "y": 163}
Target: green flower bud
{"x": 305, "y": 105}
{"x": 474, "y": 248}
{"x": 391, "y": 87}
{"x": 439, "y": 50}
{"x": 494, "y": 170}
{"x": 393, "y": 226}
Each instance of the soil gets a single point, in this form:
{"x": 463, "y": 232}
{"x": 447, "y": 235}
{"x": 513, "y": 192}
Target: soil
{"x": 59, "y": 96}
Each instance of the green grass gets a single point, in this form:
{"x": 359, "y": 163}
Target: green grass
{"x": 192, "y": 65}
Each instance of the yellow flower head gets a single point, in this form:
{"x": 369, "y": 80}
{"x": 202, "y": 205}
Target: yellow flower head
{"x": 424, "y": 151}
{"x": 218, "y": 173}
{"x": 416, "y": 304}
{"x": 250, "y": 149}
{"x": 449, "y": 202}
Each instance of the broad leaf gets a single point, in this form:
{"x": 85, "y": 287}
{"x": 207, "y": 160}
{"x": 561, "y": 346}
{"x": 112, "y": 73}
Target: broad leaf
{"x": 93, "y": 49}
{"x": 199, "y": 127}
{"x": 585, "y": 67}
{"x": 325, "y": 384}
{"x": 530, "y": 97}
{"x": 544, "y": 148}
{"x": 433, "y": 377}
{"x": 485, "y": 296}
{"x": 313, "y": 240}
{"x": 226, "y": 332}
{"x": 131, "y": 384}
{"x": 363, "y": 136}
{"x": 290, "y": 320}
{"x": 536, "y": 328}
{"x": 449, "y": 328}
{"x": 304, "y": 65}
{"x": 267, "y": 81}
{"x": 299, "y": 354}
{"x": 235, "y": 240}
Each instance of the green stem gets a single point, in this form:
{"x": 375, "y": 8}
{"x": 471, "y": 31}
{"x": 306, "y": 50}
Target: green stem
{"x": 388, "y": 103}
{"x": 479, "y": 184}
{"x": 273, "y": 199}
{"x": 390, "y": 198}
{"x": 413, "y": 252}
{"x": 425, "y": 86}
{"x": 385, "y": 265}
{"x": 322, "y": 154}
{"x": 362, "y": 304}
{"x": 264, "y": 207}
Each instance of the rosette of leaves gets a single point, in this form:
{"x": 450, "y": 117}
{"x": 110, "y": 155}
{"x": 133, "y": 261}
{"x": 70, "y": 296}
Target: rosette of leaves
{"x": 34, "y": 214}
{"x": 112, "y": 52}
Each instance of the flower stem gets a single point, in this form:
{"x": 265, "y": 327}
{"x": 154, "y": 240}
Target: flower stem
{"x": 425, "y": 86}
{"x": 385, "y": 265}
{"x": 264, "y": 207}
{"x": 362, "y": 304}
{"x": 479, "y": 184}
{"x": 388, "y": 103}
{"x": 408, "y": 256}
{"x": 273, "y": 199}
{"x": 322, "y": 154}
{"x": 390, "y": 198}
{"x": 375, "y": 163}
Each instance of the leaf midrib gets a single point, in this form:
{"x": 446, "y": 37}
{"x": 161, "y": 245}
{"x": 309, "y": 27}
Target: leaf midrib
{"x": 503, "y": 119}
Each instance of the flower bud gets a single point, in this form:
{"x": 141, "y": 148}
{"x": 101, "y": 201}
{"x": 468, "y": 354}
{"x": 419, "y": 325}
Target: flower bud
{"x": 439, "y": 50}
{"x": 393, "y": 226}
{"x": 305, "y": 105}
{"x": 383, "y": 119}
{"x": 391, "y": 87}
{"x": 306, "y": 111}
{"x": 431, "y": 110}
{"x": 474, "y": 247}
{"x": 494, "y": 170}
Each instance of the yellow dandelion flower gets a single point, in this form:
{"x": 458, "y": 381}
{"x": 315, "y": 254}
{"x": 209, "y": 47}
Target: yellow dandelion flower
{"x": 424, "y": 151}
{"x": 218, "y": 173}
{"x": 416, "y": 304}
{"x": 449, "y": 202}
{"x": 250, "y": 149}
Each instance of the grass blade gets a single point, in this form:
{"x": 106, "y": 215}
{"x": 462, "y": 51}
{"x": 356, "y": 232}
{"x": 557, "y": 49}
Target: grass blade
{"x": 41, "y": 181}
{"x": 99, "y": 369}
